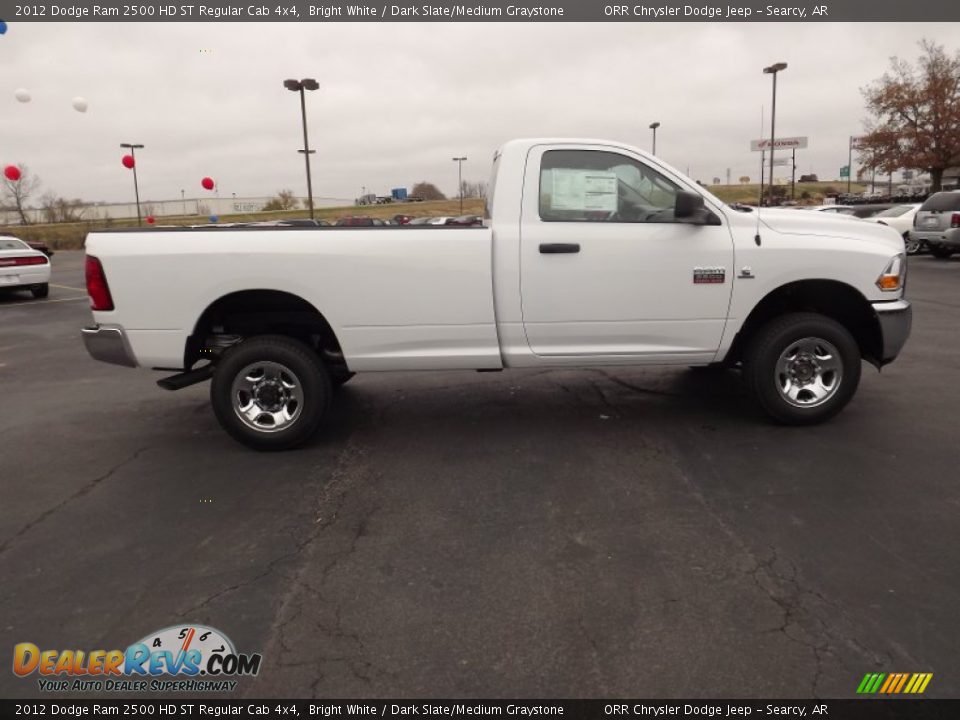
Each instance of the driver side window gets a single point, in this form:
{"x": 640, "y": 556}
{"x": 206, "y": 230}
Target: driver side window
{"x": 600, "y": 186}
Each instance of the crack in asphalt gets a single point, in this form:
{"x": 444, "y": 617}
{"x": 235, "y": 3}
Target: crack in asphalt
{"x": 301, "y": 591}
{"x": 88, "y": 487}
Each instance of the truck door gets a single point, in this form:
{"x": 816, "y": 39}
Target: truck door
{"x": 605, "y": 268}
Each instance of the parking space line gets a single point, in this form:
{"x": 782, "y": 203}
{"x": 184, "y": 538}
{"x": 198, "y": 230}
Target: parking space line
{"x": 41, "y": 302}
{"x": 67, "y": 287}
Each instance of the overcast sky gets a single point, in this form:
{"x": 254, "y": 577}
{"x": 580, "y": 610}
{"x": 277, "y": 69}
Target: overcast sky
{"x": 398, "y": 101}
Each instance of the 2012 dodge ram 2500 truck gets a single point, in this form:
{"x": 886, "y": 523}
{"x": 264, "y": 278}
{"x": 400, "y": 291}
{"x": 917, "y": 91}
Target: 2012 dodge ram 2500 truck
{"x": 593, "y": 253}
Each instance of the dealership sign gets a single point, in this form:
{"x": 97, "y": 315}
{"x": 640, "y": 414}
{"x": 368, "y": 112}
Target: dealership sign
{"x": 790, "y": 143}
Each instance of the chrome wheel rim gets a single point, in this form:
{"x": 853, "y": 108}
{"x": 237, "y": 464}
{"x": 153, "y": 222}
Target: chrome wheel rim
{"x": 267, "y": 396}
{"x": 911, "y": 246}
{"x": 809, "y": 372}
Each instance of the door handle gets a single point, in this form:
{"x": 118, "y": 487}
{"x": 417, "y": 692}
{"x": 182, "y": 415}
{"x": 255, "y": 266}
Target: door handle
{"x": 556, "y": 248}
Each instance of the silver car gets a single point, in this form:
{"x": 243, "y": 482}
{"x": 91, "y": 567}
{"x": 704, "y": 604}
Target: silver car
{"x": 937, "y": 224}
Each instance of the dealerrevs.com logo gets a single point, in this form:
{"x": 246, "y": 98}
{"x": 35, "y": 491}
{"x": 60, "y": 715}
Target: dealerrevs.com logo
{"x": 192, "y": 658}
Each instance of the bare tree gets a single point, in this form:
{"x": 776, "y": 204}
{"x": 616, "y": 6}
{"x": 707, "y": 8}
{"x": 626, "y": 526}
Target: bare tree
{"x": 17, "y": 193}
{"x": 915, "y": 115}
{"x": 58, "y": 209}
{"x": 474, "y": 189}
{"x": 285, "y": 200}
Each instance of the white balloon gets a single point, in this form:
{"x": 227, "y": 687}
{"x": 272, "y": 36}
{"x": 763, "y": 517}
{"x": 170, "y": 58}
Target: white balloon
{"x": 80, "y": 104}
{"x": 22, "y": 94}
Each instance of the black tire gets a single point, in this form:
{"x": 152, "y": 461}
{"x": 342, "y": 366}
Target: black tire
{"x": 912, "y": 247}
{"x": 940, "y": 252}
{"x": 792, "y": 332}
{"x": 309, "y": 376}
{"x": 40, "y": 291}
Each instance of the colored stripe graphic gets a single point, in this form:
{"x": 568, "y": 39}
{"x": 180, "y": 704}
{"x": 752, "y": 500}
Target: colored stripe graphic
{"x": 894, "y": 683}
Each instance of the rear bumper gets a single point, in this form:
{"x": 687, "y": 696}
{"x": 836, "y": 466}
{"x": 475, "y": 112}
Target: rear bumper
{"x": 947, "y": 238}
{"x": 895, "y": 319}
{"x": 108, "y": 344}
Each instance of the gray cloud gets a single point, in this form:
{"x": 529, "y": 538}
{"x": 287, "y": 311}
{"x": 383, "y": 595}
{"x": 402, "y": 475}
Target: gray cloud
{"x": 397, "y": 101}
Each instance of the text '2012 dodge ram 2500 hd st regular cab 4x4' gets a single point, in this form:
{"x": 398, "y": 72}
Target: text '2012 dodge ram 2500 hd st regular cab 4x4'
{"x": 593, "y": 254}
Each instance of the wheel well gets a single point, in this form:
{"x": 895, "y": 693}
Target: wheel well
{"x": 836, "y": 300}
{"x": 238, "y": 315}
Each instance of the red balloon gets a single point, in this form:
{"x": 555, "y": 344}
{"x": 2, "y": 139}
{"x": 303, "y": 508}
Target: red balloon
{"x": 207, "y": 183}
{"x": 128, "y": 162}
{"x": 11, "y": 173}
{"x": 151, "y": 219}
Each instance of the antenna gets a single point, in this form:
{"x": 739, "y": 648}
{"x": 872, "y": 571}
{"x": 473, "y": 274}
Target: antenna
{"x": 756, "y": 238}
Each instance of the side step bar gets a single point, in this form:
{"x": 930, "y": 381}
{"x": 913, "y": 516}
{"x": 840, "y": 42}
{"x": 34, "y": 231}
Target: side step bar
{"x": 186, "y": 379}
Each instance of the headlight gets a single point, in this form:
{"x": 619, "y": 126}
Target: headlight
{"x": 894, "y": 277}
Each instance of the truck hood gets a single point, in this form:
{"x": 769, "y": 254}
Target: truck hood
{"x": 818, "y": 224}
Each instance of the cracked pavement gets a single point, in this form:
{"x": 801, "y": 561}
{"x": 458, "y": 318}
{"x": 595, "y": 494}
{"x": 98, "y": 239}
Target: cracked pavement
{"x": 636, "y": 532}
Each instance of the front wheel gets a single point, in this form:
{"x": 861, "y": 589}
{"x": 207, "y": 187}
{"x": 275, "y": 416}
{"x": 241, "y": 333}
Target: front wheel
{"x": 912, "y": 245}
{"x": 940, "y": 252}
{"x": 802, "y": 368}
{"x": 270, "y": 392}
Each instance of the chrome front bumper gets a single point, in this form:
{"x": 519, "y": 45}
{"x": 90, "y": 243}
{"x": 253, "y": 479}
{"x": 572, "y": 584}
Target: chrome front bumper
{"x": 108, "y": 344}
{"x": 895, "y": 319}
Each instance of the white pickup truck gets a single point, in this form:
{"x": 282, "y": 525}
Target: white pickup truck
{"x": 593, "y": 253}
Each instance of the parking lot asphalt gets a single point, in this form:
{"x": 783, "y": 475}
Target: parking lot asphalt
{"x": 624, "y": 533}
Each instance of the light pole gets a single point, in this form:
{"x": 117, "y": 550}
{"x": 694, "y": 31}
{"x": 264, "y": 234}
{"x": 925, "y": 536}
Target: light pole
{"x": 183, "y": 200}
{"x": 459, "y": 162}
{"x": 773, "y": 70}
{"x": 654, "y": 126}
{"x": 136, "y": 190}
{"x": 300, "y": 86}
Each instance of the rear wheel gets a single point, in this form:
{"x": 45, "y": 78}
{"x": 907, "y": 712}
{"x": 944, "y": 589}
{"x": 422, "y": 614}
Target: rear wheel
{"x": 802, "y": 368}
{"x": 912, "y": 245}
{"x": 40, "y": 291}
{"x": 940, "y": 252}
{"x": 270, "y": 392}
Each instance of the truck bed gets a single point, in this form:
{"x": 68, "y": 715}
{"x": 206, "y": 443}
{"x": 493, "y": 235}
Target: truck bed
{"x": 393, "y": 295}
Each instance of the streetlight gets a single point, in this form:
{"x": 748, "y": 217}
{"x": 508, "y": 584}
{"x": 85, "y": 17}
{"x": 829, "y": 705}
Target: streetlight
{"x": 300, "y": 86}
{"x": 136, "y": 190}
{"x": 773, "y": 70}
{"x": 459, "y": 162}
{"x": 654, "y": 126}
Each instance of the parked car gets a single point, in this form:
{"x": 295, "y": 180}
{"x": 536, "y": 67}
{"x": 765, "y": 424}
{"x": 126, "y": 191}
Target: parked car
{"x": 831, "y": 209}
{"x": 304, "y": 222}
{"x": 465, "y": 220}
{"x": 402, "y": 219}
{"x": 360, "y": 221}
{"x": 420, "y": 221}
{"x": 442, "y": 220}
{"x": 41, "y": 246}
{"x": 900, "y": 218}
{"x": 595, "y": 254}
{"x": 937, "y": 224}
{"x": 23, "y": 268}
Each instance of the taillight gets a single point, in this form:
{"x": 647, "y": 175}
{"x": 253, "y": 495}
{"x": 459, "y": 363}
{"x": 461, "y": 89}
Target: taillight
{"x": 28, "y": 260}
{"x": 97, "y": 287}
{"x": 955, "y": 220}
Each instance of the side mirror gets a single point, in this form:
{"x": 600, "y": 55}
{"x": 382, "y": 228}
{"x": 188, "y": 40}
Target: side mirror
{"x": 687, "y": 204}
{"x": 689, "y": 207}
